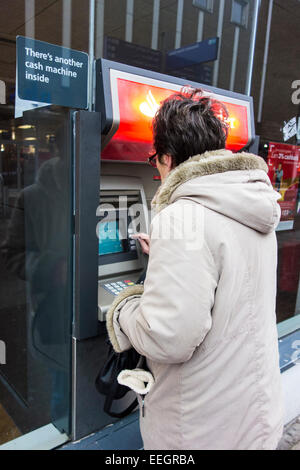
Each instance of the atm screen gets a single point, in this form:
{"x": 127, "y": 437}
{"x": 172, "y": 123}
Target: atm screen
{"x": 109, "y": 238}
{"x": 115, "y": 244}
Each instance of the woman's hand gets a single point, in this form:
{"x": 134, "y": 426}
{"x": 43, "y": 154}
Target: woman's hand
{"x": 144, "y": 240}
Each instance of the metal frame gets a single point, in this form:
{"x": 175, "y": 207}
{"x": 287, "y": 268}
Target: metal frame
{"x": 252, "y": 47}
{"x": 129, "y": 20}
{"x": 108, "y": 71}
{"x": 86, "y": 192}
{"x": 155, "y": 24}
{"x": 265, "y": 62}
{"x": 220, "y": 36}
{"x": 234, "y": 56}
{"x": 179, "y": 21}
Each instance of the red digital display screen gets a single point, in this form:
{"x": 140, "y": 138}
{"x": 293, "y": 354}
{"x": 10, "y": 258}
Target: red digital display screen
{"x": 135, "y": 106}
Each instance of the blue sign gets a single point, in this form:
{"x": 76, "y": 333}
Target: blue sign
{"x": 47, "y": 73}
{"x": 198, "y": 53}
{"x": 201, "y": 73}
{"x": 132, "y": 54}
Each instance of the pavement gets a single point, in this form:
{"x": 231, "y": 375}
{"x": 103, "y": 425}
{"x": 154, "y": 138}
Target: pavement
{"x": 291, "y": 436}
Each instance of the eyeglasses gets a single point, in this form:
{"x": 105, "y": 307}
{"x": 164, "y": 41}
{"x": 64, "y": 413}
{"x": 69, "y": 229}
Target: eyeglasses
{"x": 152, "y": 160}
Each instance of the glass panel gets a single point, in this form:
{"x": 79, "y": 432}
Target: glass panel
{"x": 277, "y": 113}
{"x": 159, "y": 27}
{"x": 35, "y": 213}
{"x": 35, "y": 228}
{"x": 35, "y": 271}
{"x": 203, "y": 4}
{"x": 238, "y": 12}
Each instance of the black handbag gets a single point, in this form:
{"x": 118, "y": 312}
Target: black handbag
{"x": 107, "y": 383}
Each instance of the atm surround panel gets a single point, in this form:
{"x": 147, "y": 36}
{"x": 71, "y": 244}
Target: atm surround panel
{"x": 117, "y": 211}
{"x": 121, "y": 261}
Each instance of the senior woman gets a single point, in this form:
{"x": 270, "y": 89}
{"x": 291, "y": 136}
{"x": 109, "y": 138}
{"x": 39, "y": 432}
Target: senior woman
{"x": 205, "y": 317}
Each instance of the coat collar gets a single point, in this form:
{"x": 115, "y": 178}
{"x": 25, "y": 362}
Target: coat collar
{"x": 208, "y": 163}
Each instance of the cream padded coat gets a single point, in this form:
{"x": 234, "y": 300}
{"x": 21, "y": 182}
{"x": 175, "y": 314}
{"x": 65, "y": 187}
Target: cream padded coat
{"x": 206, "y": 318}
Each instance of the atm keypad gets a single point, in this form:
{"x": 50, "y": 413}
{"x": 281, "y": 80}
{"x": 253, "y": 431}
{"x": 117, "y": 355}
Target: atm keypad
{"x": 116, "y": 287}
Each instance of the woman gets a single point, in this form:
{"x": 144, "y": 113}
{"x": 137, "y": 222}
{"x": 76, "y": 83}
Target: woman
{"x": 278, "y": 177}
{"x": 205, "y": 319}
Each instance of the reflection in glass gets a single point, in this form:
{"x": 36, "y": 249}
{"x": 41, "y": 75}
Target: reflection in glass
{"x": 35, "y": 299}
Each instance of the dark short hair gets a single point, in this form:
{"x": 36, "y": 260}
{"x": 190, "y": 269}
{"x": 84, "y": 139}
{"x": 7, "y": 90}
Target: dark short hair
{"x": 189, "y": 123}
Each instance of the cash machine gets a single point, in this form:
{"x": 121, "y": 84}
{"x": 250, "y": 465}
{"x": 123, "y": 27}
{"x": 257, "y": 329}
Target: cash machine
{"x": 126, "y": 100}
{"x": 123, "y": 211}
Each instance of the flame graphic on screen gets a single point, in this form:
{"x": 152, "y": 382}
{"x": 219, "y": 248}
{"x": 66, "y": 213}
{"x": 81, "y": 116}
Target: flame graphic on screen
{"x": 150, "y": 106}
{"x": 231, "y": 121}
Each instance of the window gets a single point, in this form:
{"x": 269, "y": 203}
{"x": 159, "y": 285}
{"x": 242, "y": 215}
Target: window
{"x": 206, "y": 5}
{"x": 240, "y": 12}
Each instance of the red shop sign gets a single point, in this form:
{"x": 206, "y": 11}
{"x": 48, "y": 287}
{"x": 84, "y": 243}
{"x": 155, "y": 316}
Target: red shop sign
{"x": 135, "y": 100}
{"x": 283, "y": 163}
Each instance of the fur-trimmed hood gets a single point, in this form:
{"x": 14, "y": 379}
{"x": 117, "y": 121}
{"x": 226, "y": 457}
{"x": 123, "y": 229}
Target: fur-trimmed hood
{"x": 235, "y": 185}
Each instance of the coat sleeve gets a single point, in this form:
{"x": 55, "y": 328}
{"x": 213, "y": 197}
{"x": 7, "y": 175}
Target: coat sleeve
{"x": 172, "y": 316}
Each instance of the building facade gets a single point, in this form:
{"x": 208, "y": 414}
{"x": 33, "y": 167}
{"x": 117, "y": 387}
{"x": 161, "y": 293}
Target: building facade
{"x": 248, "y": 47}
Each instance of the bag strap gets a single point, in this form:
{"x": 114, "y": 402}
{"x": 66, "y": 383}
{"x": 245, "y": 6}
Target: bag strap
{"x": 110, "y": 397}
{"x": 122, "y": 414}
